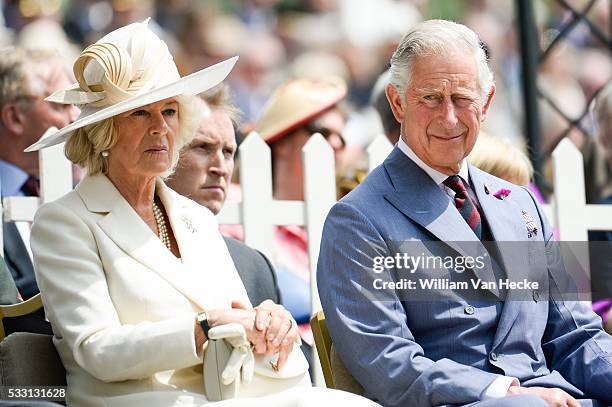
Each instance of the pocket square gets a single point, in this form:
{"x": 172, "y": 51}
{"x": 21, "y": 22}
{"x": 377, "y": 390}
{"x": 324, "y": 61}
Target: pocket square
{"x": 502, "y": 193}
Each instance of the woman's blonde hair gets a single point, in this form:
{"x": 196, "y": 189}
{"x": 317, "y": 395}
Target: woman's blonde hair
{"x": 502, "y": 159}
{"x": 85, "y": 146}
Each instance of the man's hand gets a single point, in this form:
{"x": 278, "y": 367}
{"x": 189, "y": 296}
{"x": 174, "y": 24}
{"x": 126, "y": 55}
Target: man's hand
{"x": 554, "y": 397}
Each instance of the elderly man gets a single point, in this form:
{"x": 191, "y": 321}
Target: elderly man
{"x": 26, "y": 78}
{"x": 203, "y": 174}
{"x": 410, "y": 345}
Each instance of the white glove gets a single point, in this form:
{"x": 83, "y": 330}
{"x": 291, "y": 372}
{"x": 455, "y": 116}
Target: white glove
{"x": 241, "y": 359}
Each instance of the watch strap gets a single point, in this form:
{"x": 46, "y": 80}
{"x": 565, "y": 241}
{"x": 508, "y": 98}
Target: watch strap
{"x": 203, "y": 320}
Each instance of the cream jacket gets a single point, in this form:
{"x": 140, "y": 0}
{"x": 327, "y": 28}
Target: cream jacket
{"x": 121, "y": 305}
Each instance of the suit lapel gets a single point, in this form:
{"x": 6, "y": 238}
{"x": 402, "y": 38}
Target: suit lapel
{"x": 184, "y": 228}
{"x": 418, "y": 197}
{"x": 15, "y": 251}
{"x": 129, "y": 232}
{"x": 197, "y": 232}
{"x": 510, "y": 235}
{"x": 501, "y": 214}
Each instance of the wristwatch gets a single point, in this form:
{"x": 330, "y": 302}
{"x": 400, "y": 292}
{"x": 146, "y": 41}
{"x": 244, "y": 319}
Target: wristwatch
{"x": 202, "y": 319}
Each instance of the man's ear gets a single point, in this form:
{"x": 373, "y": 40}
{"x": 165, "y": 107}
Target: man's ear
{"x": 485, "y": 108}
{"x": 12, "y": 119}
{"x": 395, "y": 101}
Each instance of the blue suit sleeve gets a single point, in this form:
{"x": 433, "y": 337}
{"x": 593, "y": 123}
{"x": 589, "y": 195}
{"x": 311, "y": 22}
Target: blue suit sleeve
{"x": 370, "y": 330}
{"x": 574, "y": 341}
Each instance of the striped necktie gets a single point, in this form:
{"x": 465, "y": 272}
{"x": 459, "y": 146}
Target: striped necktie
{"x": 465, "y": 205}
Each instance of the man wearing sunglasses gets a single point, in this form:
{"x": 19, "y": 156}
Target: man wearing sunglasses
{"x": 297, "y": 110}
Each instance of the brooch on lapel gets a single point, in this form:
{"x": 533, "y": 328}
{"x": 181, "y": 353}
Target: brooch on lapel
{"x": 532, "y": 227}
{"x": 502, "y": 193}
{"x": 188, "y": 224}
{"x": 487, "y": 188}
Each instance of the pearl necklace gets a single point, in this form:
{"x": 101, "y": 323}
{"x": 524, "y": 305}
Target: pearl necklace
{"x": 161, "y": 226}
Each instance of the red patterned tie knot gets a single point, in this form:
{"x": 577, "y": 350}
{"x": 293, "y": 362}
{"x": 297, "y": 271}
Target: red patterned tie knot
{"x": 456, "y": 184}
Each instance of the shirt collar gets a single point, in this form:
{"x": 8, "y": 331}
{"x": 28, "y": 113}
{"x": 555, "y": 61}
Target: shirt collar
{"x": 436, "y": 175}
{"x": 12, "y": 179}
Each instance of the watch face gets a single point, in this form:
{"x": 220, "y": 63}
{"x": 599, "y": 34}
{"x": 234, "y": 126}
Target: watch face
{"x": 202, "y": 316}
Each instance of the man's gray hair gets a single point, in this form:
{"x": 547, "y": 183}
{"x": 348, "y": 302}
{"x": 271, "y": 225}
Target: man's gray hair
{"x": 437, "y": 37}
{"x": 17, "y": 81}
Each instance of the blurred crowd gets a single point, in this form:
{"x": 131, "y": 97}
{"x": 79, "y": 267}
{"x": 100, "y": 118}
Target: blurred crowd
{"x": 352, "y": 39}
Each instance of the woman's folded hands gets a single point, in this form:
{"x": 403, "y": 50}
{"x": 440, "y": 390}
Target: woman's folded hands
{"x": 269, "y": 327}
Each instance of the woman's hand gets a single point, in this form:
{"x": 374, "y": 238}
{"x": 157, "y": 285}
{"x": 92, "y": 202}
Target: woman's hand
{"x": 269, "y": 327}
{"x": 242, "y": 316}
{"x": 280, "y": 328}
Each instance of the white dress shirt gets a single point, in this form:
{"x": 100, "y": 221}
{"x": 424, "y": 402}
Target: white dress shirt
{"x": 436, "y": 175}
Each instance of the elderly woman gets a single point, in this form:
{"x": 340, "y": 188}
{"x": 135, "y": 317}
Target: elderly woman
{"x": 133, "y": 275}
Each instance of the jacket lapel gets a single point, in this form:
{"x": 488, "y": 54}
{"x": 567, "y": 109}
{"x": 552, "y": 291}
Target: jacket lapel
{"x": 15, "y": 252}
{"x": 197, "y": 232}
{"x": 186, "y": 232}
{"x": 501, "y": 214}
{"x": 418, "y": 197}
{"x": 15, "y": 249}
{"x": 510, "y": 235}
{"x": 128, "y": 231}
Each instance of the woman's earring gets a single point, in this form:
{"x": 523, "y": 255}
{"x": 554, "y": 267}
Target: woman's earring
{"x": 105, "y": 153}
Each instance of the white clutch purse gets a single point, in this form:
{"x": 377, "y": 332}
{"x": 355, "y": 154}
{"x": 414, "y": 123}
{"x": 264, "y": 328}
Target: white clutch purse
{"x": 231, "y": 370}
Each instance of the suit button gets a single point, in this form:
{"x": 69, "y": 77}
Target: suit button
{"x": 468, "y": 310}
{"x": 493, "y": 356}
{"x": 536, "y": 295}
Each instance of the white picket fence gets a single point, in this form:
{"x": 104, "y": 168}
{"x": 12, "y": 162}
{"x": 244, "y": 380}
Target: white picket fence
{"x": 259, "y": 212}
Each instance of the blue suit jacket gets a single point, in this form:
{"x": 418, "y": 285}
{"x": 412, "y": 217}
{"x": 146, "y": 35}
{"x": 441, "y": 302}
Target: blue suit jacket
{"x": 450, "y": 349}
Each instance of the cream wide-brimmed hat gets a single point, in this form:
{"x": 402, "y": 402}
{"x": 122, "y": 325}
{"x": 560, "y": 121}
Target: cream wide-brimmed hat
{"x": 126, "y": 69}
{"x": 296, "y": 103}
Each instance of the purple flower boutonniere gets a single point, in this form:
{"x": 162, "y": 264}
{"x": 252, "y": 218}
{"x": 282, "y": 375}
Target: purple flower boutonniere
{"x": 502, "y": 193}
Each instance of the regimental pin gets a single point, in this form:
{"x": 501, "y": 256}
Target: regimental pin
{"x": 532, "y": 226}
